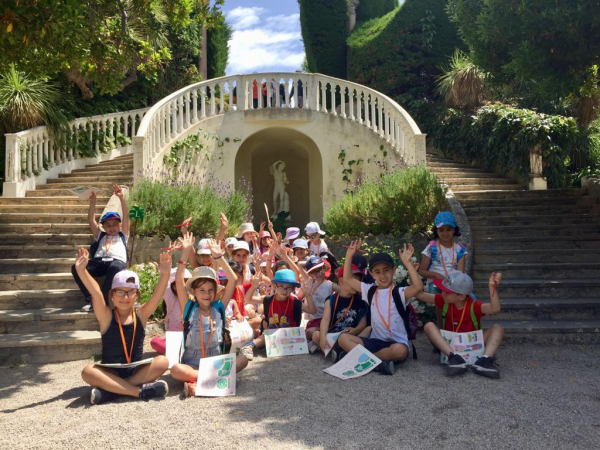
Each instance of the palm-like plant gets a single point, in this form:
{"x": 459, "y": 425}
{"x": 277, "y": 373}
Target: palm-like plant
{"x": 463, "y": 84}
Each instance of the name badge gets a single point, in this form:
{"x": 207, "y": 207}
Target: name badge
{"x": 107, "y": 259}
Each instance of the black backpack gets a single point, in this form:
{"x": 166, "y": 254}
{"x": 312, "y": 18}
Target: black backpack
{"x": 267, "y": 303}
{"x": 189, "y": 308}
{"x": 408, "y": 314}
{"x": 96, "y": 244}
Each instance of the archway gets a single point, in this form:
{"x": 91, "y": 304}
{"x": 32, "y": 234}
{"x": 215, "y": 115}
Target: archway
{"x": 304, "y": 170}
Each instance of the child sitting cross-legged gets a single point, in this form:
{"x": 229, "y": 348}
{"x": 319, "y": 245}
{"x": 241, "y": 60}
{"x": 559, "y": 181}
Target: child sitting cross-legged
{"x": 123, "y": 334}
{"x": 203, "y": 314}
{"x": 389, "y": 338}
{"x": 462, "y": 314}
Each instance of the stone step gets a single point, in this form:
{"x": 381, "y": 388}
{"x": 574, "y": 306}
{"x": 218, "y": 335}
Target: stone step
{"x": 521, "y": 204}
{"x": 115, "y": 163}
{"x": 475, "y": 213}
{"x": 70, "y": 200}
{"x": 96, "y": 173}
{"x": 524, "y": 194}
{"x": 46, "y": 319}
{"x": 42, "y": 298}
{"x": 467, "y": 188}
{"x": 117, "y": 169}
{"x": 82, "y": 239}
{"x": 95, "y": 179}
{"x": 484, "y": 243}
{"x": 550, "y": 220}
{"x": 444, "y": 174}
{"x": 49, "y": 347}
{"x": 569, "y": 230}
{"x": 59, "y": 228}
{"x": 549, "y": 331}
{"x": 46, "y": 217}
{"x": 468, "y": 180}
{"x": 61, "y": 183}
{"x": 53, "y": 191}
{"x": 537, "y": 288}
{"x": 52, "y": 209}
{"x": 442, "y": 164}
{"x": 13, "y": 281}
{"x": 545, "y": 270}
{"x": 549, "y": 309}
{"x": 572, "y": 255}
{"x": 37, "y": 265}
{"x": 39, "y": 251}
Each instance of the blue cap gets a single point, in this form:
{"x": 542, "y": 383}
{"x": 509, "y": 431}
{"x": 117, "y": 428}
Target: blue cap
{"x": 110, "y": 215}
{"x": 285, "y": 276}
{"x": 445, "y": 218}
{"x": 314, "y": 262}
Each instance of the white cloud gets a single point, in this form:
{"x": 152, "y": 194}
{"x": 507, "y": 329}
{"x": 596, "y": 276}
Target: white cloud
{"x": 262, "y": 43}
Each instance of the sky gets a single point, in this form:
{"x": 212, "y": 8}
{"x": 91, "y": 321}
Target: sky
{"x": 266, "y": 36}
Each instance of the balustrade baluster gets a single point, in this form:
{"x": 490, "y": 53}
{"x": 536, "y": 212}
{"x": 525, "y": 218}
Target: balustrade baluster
{"x": 180, "y": 121}
{"x": 203, "y": 102}
{"x": 222, "y": 99}
{"x": 195, "y": 106}
{"x": 187, "y": 110}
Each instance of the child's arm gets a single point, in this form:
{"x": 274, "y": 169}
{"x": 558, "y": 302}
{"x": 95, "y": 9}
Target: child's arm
{"x": 95, "y": 229}
{"x": 284, "y": 255}
{"x": 416, "y": 283}
{"x": 494, "y": 306}
{"x": 348, "y": 278}
{"x": 217, "y": 255}
{"x": 223, "y": 229}
{"x": 187, "y": 244}
{"x": 460, "y": 265}
{"x": 358, "y": 329}
{"x": 272, "y": 231}
{"x": 124, "y": 209}
{"x": 164, "y": 267}
{"x": 269, "y": 268}
{"x": 101, "y": 310}
{"x": 324, "y": 328}
{"x": 308, "y": 304}
{"x": 426, "y": 297}
{"x": 237, "y": 315}
{"x": 425, "y": 262}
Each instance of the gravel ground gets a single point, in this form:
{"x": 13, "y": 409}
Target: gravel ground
{"x": 548, "y": 397}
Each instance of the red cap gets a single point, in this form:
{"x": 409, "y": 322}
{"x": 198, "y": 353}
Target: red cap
{"x": 340, "y": 271}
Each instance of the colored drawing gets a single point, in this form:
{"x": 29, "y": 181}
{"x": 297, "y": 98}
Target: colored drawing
{"x": 241, "y": 333}
{"x": 286, "y": 341}
{"x": 468, "y": 345}
{"x": 216, "y": 376}
{"x": 331, "y": 340}
{"x": 359, "y": 361}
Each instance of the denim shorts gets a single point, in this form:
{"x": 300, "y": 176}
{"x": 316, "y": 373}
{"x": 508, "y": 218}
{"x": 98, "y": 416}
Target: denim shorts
{"x": 191, "y": 357}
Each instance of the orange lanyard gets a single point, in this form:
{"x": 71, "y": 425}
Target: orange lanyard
{"x": 106, "y": 246}
{"x": 345, "y": 312}
{"x": 284, "y": 313}
{"x": 202, "y": 332}
{"x": 387, "y": 325}
{"x": 461, "y": 317}
{"x": 127, "y": 355}
{"x": 314, "y": 289}
{"x": 442, "y": 257}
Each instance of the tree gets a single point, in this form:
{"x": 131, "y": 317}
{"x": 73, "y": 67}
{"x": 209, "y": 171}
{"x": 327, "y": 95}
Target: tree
{"x": 217, "y": 49}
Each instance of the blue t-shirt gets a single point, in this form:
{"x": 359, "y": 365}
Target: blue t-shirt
{"x": 356, "y": 309}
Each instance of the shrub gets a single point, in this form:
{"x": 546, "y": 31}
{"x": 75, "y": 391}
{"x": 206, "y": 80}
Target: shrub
{"x": 374, "y": 8}
{"x": 397, "y": 202}
{"x": 168, "y": 202}
{"x": 149, "y": 275}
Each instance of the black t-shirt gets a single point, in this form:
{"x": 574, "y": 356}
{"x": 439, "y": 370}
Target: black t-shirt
{"x": 112, "y": 344}
{"x": 340, "y": 319}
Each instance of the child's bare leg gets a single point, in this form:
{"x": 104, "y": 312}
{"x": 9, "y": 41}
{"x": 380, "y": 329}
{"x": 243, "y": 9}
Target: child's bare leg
{"x": 240, "y": 363}
{"x": 395, "y": 352}
{"x": 183, "y": 372}
{"x": 309, "y": 332}
{"x": 316, "y": 337}
{"x": 493, "y": 338}
{"x": 150, "y": 372}
{"x": 259, "y": 341}
{"x": 251, "y": 311}
{"x": 347, "y": 341}
{"x": 436, "y": 338}
{"x": 366, "y": 332}
{"x": 108, "y": 380}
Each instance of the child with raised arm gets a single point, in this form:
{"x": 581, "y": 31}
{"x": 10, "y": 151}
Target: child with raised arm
{"x": 203, "y": 314}
{"x": 109, "y": 250}
{"x": 122, "y": 330}
{"x": 202, "y": 256}
{"x": 389, "y": 338}
{"x": 314, "y": 233}
{"x": 344, "y": 311}
{"x": 462, "y": 314}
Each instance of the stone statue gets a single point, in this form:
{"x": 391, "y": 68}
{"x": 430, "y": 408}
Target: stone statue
{"x": 281, "y": 199}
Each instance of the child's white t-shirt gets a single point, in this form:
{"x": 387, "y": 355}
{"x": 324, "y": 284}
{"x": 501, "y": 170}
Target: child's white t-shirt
{"x": 383, "y": 305}
{"x": 436, "y": 262}
{"x": 320, "y": 294}
{"x": 116, "y": 248}
{"x": 318, "y": 249}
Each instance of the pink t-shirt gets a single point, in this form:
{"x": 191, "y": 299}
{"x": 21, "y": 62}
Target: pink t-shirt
{"x": 173, "y": 320}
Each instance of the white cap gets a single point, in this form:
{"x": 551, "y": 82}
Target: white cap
{"x": 230, "y": 241}
{"x": 312, "y": 228}
{"x": 241, "y": 245}
{"x": 203, "y": 247}
{"x": 120, "y": 280}
{"x": 300, "y": 243}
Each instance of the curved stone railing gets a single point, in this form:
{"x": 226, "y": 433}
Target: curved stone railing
{"x": 35, "y": 155}
{"x": 174, "y": 115}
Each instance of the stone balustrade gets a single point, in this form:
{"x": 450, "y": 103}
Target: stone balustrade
{"x": 35, "y": 155}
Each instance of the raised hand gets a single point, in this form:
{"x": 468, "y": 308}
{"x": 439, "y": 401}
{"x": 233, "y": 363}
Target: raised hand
{"x": 165, "y": 263}
{"x": 353, "y": 248}
{"x": 82, "y": 258}
{"x": 215, "y": 249}
{"x": 185, "y": 224}
{"x": 118, "y": 191}
{"x": 93, "y": 198}
{"x": 495, "y": 279}
{"x": 224, "y": 221}
{"x": 262, "y": 226}
{"x": 406, "y": 254}
{"x": 187, "y": 241}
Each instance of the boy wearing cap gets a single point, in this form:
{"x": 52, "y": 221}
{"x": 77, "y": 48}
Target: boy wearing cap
{"x": 314, "y": 233}
{"x": 462, "y": 314}
{"x": 388, "y": 339}
{"x": 300, "y": 249}
{"x": 109, "y": 250}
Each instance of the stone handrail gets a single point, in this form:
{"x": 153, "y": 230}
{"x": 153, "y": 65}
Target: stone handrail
{"x": 34, "y": 155}
{"x": 171, "y": 117}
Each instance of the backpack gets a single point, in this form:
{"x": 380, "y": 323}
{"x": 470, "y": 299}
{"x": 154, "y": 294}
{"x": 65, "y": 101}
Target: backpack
{"x": 187, "y": 314}
{"x": 473, "y": 316}
{"x": 94, "y": 247}
{"x": 267, "y": 303}
{"x": 408, "y": 314}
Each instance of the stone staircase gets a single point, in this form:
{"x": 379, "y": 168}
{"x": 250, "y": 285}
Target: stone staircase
{"x": 546, "y": 244}
{"x": 40, "y": 318}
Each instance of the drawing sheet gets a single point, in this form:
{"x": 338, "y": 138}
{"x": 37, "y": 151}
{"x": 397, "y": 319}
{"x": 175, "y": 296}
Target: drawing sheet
{"x": 216, "y": 376}
{"x": 286, "y": 341}
{"x": 468, "y": 345}
{"x": 174, "y": 347}
{"x": 241, "y": 333}
{"x": 331, "y": 340}
{"x": 358, "y": 362}
{"x": 85, "y": 192}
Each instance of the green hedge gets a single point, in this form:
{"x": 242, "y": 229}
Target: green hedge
{"x": 401, "y": 52}
{"x": 324, "y": 32}
{"x": 369, "y": 9}
{"x": 499, "y": 137}
{"x": 403, "y": 201}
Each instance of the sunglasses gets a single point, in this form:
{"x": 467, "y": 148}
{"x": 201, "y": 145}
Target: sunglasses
{"x": 313, "y": 236}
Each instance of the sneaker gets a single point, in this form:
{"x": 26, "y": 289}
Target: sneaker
{"x": 248, "y": 352}
{"x": 485, "y": 367}
{"x": 337, "y": 355}
{"x": 99, "y": 396}
{"x": 154, "y": 390}
{"x": 88, "y": 308}
{"x": 189, "y": 389}
{"x": 313, "y": 347}
{"x": 456, "y": 365}
{"x": 386, "y": 368}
